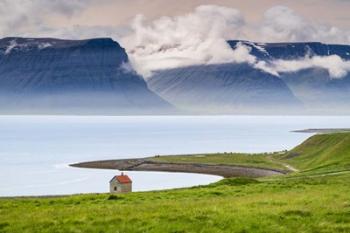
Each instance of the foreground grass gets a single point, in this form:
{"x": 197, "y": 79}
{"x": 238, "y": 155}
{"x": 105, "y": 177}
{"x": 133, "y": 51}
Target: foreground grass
{"x": 316, "y": 199}
{"x": 232, "y": 205}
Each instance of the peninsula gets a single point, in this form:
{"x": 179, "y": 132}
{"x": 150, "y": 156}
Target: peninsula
{"x": 311, "y": 196}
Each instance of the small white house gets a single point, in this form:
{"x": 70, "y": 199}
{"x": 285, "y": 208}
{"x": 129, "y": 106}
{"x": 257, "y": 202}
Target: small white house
{"x": 120, "y": 184}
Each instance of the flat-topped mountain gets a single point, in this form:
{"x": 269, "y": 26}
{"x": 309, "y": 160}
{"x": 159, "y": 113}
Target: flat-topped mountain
{"x": 314, "y": 86}
{"x": 308, "y": 87}
{"x": 223, "y": 88}
{"x": 93, "y": 76}
{"x": 54, "y": 76}
{"x": 290, "y": 51}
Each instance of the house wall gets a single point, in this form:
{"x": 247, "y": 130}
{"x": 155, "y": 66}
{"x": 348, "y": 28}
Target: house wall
{"x": 125, "y": 188}
{"x": 121, "y": 188}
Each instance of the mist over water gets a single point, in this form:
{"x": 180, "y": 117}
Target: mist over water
{"x": 35, "y": 150}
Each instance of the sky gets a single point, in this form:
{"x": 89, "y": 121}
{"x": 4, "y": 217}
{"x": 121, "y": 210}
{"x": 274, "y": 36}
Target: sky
{"x": 160, "y": 34}
{"x": 112, "y": 18}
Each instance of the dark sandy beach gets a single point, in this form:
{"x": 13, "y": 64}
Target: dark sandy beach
{"x": 149, "y": 165}
{"x": 323, "y": 131}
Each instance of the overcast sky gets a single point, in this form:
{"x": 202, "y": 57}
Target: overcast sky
{"x": 161, "y": 34}
{"x": 100, "y": 18}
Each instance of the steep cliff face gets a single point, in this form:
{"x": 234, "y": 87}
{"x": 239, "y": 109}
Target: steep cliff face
{"x": 71, "y": 77}
{"x": 224, "y": 88}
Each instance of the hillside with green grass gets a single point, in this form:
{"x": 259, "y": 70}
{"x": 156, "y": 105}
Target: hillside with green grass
{"x": 263, "y": 160}
{"x": 316, "y": 199}
{"x": 321, "y": 153}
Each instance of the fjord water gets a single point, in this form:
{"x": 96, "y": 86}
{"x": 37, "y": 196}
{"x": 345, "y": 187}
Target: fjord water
{"x": 35, "y": 150}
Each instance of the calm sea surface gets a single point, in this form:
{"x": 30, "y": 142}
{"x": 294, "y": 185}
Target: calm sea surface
{"x": 35, "y": 150}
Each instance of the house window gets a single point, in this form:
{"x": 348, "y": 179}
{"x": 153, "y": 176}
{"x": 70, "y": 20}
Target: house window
{"x": 115, "y": 188}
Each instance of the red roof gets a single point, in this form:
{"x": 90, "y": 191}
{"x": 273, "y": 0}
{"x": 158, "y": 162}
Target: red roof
{"x": 123, "y": 179}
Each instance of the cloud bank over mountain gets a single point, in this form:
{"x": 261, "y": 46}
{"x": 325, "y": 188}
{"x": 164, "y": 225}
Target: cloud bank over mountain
{"x": 42, "y": 18}
{"x": 19, "y": 16}
{"x": 192, "y": 38}
{"x": 200, "y": 38}
{"x": 281, "y": 23}
{"x": 336, "y": 67}
{"x": 195, "y": 38}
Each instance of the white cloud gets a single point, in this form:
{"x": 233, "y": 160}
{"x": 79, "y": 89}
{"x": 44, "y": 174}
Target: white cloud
{"x": 30, "y": 17}
{"x": 196, "y": 38}
{"x": 336, "y": 67}
{"x": 200, "y": 38}
{"x": 282, "y": 24}
{"x": 37, "y": 18}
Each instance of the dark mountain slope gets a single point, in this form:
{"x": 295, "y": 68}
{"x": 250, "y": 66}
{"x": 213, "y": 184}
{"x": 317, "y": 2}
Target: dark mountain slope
{"x": 225, "y": 88}
{"x": 71, "y": 77}
{"x": 315, "y": 87}
{"x": 242, "y": 88}
{"x": 289, "y": 51}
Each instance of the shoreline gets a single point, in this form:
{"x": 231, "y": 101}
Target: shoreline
{"x": 323, "y": 130}
{"x": 145, "y": 164}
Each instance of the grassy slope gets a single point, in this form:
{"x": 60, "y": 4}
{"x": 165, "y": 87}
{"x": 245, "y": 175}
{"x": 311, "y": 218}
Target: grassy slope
{"x": 298, "y": 204}
{"x": 321, "y": 153}
{"x": 250, "y": 160}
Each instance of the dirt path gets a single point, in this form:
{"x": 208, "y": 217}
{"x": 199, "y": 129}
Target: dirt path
{"x": 286, "y": 165}
{"x": 290, "y": 168}
{"x": 321, "y": 175}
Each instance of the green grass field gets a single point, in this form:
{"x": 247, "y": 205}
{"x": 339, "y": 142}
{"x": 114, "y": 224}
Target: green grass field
{"x": 321, "y": 154}
{"x": 265, "y": 160}
{"x": 316, "y": 199}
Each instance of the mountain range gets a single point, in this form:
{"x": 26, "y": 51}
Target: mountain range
{"x": 94, "y": 76}
{"x": 53, "y": 76}
{"x": 223, "y": 88}
{"x": 243, "y": 88}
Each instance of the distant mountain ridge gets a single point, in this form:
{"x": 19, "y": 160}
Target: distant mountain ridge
{"x": 93, "y": 76}
{"x": 223, "y": 88}
{"x": 227, "y": 87}
{"x": 57, "y": 76}
{"x": 315, "y": 87}
{"x": 290, "y": 51}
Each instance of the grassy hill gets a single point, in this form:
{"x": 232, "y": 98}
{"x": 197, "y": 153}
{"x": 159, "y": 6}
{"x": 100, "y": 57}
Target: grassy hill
{"x": 321, "y": 153}
{"x": 318, "y": 154}
{"x": 262, "y": 160}
{"x": 318, "y": 201}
